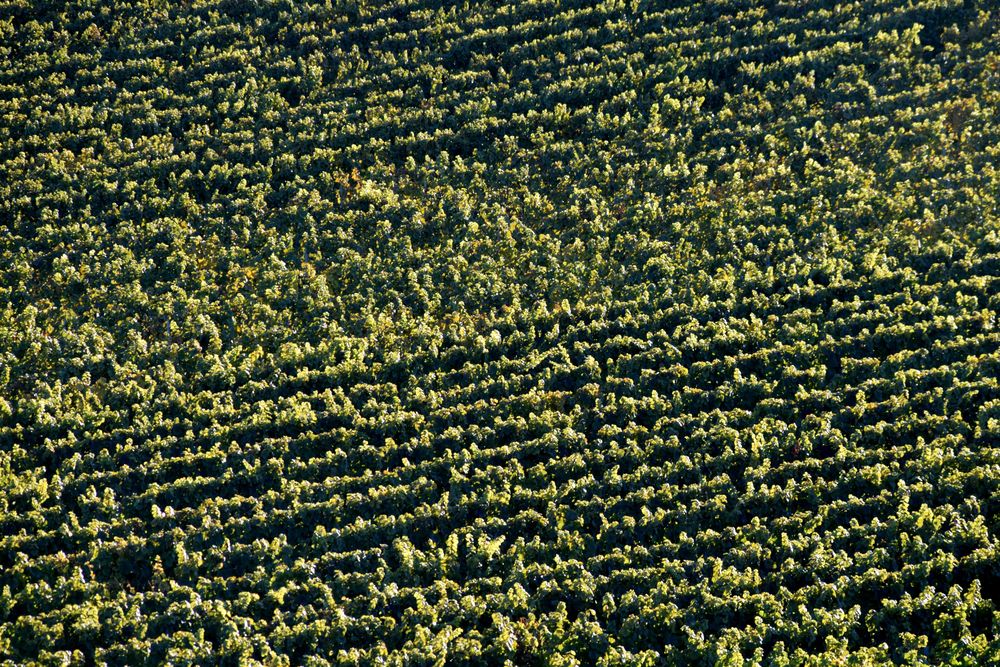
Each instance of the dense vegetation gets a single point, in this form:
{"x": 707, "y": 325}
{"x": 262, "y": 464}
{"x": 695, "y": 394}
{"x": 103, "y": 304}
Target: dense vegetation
{"x": 550, "y": 332}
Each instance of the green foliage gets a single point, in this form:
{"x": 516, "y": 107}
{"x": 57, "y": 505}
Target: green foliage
{"x": 539, "y": 333}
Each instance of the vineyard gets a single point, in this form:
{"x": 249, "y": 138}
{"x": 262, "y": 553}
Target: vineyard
{"x": 545, "y": 332}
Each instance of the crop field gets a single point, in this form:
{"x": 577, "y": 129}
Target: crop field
{"x": 540, "y": 332}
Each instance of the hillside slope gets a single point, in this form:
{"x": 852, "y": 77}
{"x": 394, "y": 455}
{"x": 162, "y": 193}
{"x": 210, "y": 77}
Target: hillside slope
{"x": 551, "y": 332}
